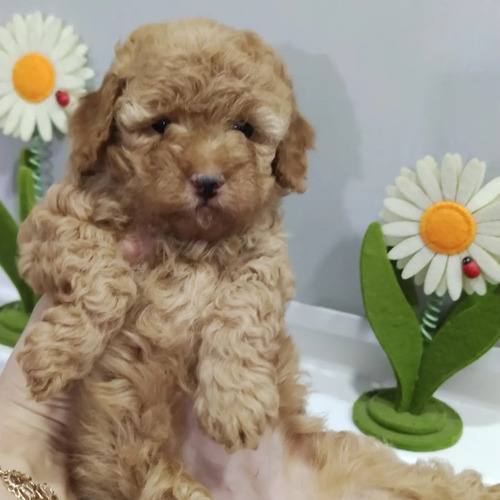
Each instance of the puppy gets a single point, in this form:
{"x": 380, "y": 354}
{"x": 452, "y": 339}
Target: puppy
{"x": 194, "y": 138}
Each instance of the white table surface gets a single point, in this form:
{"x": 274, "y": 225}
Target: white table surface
{"x": 343, "y": 360}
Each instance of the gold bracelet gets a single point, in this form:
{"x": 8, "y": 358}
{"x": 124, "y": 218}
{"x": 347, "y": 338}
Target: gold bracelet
{"x": 22, "y": 486}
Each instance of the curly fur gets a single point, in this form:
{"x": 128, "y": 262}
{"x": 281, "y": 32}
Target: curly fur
{"x": 202, "y": 318}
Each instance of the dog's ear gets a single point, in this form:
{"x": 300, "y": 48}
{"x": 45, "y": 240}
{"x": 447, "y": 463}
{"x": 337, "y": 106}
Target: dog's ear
{"x": 290, "y": 163}
{"x": 90, "y": 126}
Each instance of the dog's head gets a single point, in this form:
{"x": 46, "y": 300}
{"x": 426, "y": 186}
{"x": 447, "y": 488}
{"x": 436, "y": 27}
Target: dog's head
{"x": 197, "y": 123}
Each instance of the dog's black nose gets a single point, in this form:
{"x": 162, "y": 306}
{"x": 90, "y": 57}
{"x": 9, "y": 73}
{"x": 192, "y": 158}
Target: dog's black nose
{"x": 207, "y": 185}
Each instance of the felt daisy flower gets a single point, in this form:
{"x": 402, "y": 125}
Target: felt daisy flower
{"x": 42, "y": 75}
{"x": 444, "y": 229}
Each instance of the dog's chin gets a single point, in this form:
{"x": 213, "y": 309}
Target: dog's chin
{"x": 206, "y": 221}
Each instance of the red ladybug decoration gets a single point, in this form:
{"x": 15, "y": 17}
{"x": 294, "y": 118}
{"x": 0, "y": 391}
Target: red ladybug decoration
{"x": 62, "y": 98}
{"x": 470, "y": 267}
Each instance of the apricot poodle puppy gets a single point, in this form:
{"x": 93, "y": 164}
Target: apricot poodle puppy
{"x": 193, "y": 138}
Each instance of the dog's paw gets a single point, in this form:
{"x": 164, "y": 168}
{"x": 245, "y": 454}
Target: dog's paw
{"x": 237, "y": 420}
{"x": 45, "y": 368}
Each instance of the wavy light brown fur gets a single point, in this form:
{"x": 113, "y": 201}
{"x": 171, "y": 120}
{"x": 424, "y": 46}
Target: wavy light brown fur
{"x": 202, "y": 319}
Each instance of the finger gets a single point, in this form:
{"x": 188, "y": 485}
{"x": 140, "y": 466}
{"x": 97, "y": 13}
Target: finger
{"x": 20, "y": 413}
{"x": 44, "y": 303}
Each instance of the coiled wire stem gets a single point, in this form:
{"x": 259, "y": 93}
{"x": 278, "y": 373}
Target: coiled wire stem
{"x": 38, "y": 162}
{"x": 430, "y": 319}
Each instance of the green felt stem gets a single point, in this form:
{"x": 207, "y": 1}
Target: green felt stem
{"x": 26, "y": 191}
{"x": 390, "y": 315}
{"x": 438, "y": 428}
{"x": 8, "y": 255}
{"x": 464, "y": 337}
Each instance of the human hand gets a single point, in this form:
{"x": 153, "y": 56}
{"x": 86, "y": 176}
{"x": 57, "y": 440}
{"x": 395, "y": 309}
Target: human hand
{"x": 34, "y": 437}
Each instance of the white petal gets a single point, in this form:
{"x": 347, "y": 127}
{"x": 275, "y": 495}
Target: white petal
{"x": 8, "y": 43}
{"x": 488, "y": 265}
{"x": 401, "y": 263}
{"x": 43, "y": 123}
{"x": 52, "y": 31}
{"x": 489, "y": 243}
{"x": 468, "y": 287}
{"x": 27, "y": 126}
{"x": 428, "y": 176}
{"x": 58, "y": 116}
{"x": 85, "y": 73}
{"x": 6, "y": 64}
{"x": 7, "y": 102}
{"x": 406, "y": 228}
{"x": 69, "y": 82}
{"x": 435, "y": 273}
{"x": 70, "y": 64}
{"x": 408, "y": 173}
{"x": 450, "y": 170}
{"x": 488, "y": 213}
{"x": 406, "y": 247}
{"x": 392, "y": 241}
{"x": 64, "y": 47}
{"x": 6, "y": 88}
{"x": 419, "y": 278}
{"x": 389, "y": 216}
{"x": 454, "y": 277}
{"x": 489, "y": 280}
{"x": 418, "y": 262}
{"x": 485, "y": 195}
{"x": 441, "y": 289}
{"x": 403, "y": 208}
{"x": 67, "y": 32}
{"x": 470, "y": 180}
{"x": 391, "y": 191}
{"x": 81, "y": 50}
{"x": 491, "y": 228}
{"x": 20, "y": 31}
{"x": 34, "y": 23}
{"x": 413, "y": 192}
{"x": 478, "y": 284}
{"x": 14, "y": 117}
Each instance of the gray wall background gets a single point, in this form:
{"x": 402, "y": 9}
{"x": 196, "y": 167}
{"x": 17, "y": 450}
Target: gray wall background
{"x": 384, "y": 82}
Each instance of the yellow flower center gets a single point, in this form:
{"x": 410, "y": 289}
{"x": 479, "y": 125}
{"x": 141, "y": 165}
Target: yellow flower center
{"x": 33, "y": 77}
{"x": 447, "y": 227}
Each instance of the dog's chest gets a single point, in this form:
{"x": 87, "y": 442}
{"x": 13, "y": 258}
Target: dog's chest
{"x": 175, "y": 297}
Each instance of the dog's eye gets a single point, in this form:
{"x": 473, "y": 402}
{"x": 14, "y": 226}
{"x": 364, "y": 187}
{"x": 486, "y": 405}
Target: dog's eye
{"x": 161, "y": 125}
{"x": 245, "y": 128}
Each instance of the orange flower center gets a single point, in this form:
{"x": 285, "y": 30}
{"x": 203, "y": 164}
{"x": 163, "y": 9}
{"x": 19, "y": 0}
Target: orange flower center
{"x": 447, "y": 227}
{"x": 33, "y": 77}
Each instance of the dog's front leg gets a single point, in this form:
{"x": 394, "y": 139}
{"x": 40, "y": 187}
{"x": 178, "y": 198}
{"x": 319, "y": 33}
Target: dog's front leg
{"x": 92, "y": 289}
{"x": 238, "y": 393}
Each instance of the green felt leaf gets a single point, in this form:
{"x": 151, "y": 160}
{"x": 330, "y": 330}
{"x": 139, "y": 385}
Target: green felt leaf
{"x": 409, "y": 289}
{"x": 13, "y": 317}
{"x": 26, "y": 191}
{"x": 466, "y": 335}
{"x": 8, "y": 255}
{"x": 13, "y": 321}
{"x": 465, "y": 302}
{"x": 8, "y": 337}
{"x": 390, "y": 315}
